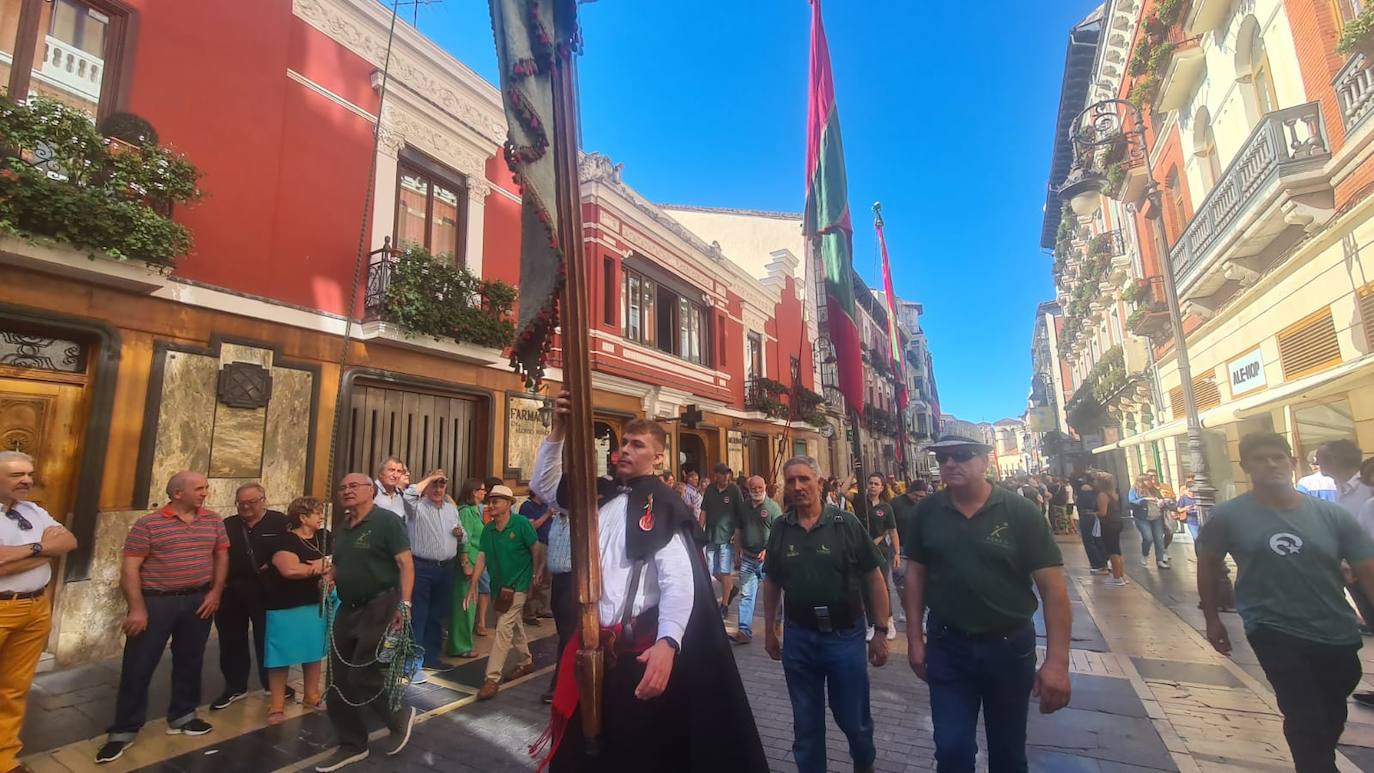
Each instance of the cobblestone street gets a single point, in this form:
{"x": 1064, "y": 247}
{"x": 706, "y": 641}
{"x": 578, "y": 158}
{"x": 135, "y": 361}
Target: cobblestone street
{"x": 1149, "y": 694}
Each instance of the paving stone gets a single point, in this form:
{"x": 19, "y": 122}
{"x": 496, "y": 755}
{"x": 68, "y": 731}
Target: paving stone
{"x": 1153, "y": 669}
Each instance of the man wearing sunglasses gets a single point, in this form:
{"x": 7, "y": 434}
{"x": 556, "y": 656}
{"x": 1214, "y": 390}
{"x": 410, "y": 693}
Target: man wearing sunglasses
{"x": 29, "y": 540}
{"x": 974, "y": 550}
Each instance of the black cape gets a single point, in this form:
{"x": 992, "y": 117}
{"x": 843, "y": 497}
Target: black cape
{"x": 702, "y": 723}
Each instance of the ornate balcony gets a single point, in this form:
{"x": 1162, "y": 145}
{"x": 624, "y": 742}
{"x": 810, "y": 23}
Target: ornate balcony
{"x": 1354, "y": 86}
{"x": 1271, "y": 193}
{"x": 1151, "y": 316}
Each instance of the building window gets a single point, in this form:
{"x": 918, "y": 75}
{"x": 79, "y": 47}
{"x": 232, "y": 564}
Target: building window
{"x": 67, "y": 50}
{"x": 658, "y": 317}
{"x": 1205, "y": 149}
{"x": 608, "y": 290}
{"x": 431, "y": 208}
{"x": 1253, "y": 72}
{"x": 1347, "y": 10}
{"x": 1173, "y": 195}
{"x": 754, "y": 355}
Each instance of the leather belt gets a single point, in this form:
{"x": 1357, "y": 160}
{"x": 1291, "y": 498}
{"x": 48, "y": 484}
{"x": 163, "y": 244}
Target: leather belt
{"x": 14, "y": 595}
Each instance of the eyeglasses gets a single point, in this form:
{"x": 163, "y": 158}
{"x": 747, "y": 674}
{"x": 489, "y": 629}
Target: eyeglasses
{"x": 23, "y": 522}
{"x": 351, "y": 486}
{"x": 248, "y": 503}
{"x": 960, "y": 456}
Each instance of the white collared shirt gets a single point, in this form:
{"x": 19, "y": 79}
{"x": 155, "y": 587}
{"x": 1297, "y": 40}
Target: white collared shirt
{"x": 38, "y": 577}
{"x": 667, "y": 580}
{"x": 1353, "y": 494}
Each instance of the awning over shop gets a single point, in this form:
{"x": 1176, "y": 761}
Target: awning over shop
{"x": 1315, "y": 385}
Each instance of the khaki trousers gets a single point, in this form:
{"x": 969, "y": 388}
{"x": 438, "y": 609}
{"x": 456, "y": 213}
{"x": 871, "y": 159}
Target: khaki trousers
{"x": 24, "y": 626}
{"x": 510, "y": 634}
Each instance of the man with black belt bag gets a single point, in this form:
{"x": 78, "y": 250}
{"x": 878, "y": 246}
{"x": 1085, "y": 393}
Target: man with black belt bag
{"x": 824, "y": 561}
{"x": 175, "y": 564}
{"x": 974, "y": 551}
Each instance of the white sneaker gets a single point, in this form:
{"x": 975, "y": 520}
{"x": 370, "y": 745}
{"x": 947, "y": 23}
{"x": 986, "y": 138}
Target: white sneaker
{"x": 1103, "y": 570}
{"x": 869, "y": 635}
{"x": 891, "y": 629}
{"x": 1145, "y": 561}
{"x": 1163, "y": 564}
{"x": 1118, "y": 581}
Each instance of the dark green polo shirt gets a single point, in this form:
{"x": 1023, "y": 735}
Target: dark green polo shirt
{"x": 878, "y": 520}
{"x": 904, "y": 513}
{"x": 758, "y": 524}
{"x": 508, "y": 553}
{"x": 725, "y": 512}
{"x": 978, "y": 570}
{"x": 809, "y": 565}
{"x": 365, "y": 555}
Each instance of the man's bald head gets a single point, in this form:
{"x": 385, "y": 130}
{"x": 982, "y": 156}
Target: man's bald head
{"x": 187, "y": 490}
{"x": 355, "y": 491}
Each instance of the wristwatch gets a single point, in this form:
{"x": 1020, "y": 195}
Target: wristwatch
{"x": 882, "y": 629}
{"x": 36, "y": 547}
{"x": 672, "y": 643}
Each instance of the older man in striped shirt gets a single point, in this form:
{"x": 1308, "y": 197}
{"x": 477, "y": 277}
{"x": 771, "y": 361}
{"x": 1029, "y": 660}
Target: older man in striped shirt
{"x": 175, "y": 564}
{"x": 431, "y": 520}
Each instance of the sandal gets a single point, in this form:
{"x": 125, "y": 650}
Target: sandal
{"x": 469, "y": 655}
{"x": 275, "y": 717}
{"x": 480, "y": 632}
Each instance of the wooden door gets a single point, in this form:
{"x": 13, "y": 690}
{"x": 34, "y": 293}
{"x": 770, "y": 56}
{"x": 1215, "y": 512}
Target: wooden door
{"x": 426, "y": 431}
{"x": 43, "y": 418}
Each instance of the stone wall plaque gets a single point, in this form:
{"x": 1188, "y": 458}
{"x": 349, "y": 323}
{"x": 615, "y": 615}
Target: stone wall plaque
{"x": 244, "y": 385}
{"x": 525, "y": 430}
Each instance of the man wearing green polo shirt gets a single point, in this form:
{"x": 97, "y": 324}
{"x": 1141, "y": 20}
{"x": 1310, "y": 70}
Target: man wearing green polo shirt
{"x": 754, "y": 532}
{"x": 824, "y": 561}
{"x": 1291, "y": 594}
{"x": 373, "y": 575}
{"x": 722, "y": 506}
{"x": 508, "y": 553}
{"x": 974, "y": 550}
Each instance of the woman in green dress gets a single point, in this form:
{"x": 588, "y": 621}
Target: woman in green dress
{"x": 470, "y": 518}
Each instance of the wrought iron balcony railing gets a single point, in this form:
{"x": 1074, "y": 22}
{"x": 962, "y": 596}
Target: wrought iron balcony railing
{"x": 1285, "y": 141}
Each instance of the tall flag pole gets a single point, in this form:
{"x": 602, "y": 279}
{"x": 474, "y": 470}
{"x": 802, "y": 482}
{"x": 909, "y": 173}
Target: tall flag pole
{"x": 896, "y": 353}
{"x": 827, "y": 223}
{"x": 535, "y": 44}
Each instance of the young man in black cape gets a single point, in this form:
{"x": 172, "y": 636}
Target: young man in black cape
{"x": 672, "y": 699}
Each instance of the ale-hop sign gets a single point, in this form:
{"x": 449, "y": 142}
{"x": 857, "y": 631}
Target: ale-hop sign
{"x": 1247, "y": 373}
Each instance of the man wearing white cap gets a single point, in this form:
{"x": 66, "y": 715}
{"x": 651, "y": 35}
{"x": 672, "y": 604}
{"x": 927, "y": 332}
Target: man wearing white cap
{"x": 508, "y": 553}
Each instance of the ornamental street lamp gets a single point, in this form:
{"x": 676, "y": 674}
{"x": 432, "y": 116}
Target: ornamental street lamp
{"x": 1101, "y": 129}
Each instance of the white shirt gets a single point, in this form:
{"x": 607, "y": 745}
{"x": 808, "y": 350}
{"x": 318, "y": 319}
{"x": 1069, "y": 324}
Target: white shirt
{"x": 398, "y": 503}
{"x": 1318, "y": 486}
{"x": 1353, "y": 494}
{"x": 667, "y": 580}
{"x": 38, "y": 577}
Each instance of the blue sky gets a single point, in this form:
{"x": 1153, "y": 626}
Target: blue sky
{"x": 947, "y": 112}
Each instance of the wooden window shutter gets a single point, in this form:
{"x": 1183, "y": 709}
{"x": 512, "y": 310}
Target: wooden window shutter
{"x": 1205, "y": 392}
{"x": 1367, "y": 314}
{"x": 1309, "y": 345}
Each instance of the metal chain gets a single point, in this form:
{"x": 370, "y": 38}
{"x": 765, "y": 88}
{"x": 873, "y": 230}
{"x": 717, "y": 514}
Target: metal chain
{"x": 398, "y": 668}
{"x": 361, "y": 258}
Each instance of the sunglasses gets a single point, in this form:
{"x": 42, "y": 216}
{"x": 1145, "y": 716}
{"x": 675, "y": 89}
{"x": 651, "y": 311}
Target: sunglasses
{"x": 23, "y": 522}
{"x": 960, "y": 456}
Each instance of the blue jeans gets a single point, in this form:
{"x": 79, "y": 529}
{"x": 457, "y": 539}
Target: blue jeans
{"x": 1192, "y": 525}
{"x": 1097, "y": 557}
{"x": 967, "y": 673}
{"x": 750, "y": 573}
{"x": 169, "y": 617}
{"x": 431, "y": 601}
{"x": 1151, "y": 532}
{"x": 814, "y": 663}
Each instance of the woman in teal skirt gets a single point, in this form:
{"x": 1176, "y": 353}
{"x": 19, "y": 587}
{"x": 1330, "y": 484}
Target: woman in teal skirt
{"x": 295, "y": 615}
{"x": 470, "y": 518}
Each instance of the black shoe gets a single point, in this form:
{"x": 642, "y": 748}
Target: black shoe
{"x": 547, "y": 697}
{"x": 545, "y": 615}
{"x": 532, "y": 621}
{"x": 111, "y": 751}
{"x": 224, "y": 701}
{"x": 724, "y": 612}
{"x": 401, "y": 735}
{"x": 290, "y": 693}
{"x": 1364, "y": 698}
{"x": 195, "y": 726}
{"x": 339, "y": 759}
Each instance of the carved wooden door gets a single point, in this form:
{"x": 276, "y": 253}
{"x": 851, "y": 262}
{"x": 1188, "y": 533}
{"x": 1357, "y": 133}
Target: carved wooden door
{"x": 43, "y": 419}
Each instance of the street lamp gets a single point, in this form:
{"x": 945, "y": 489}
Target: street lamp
{"x": 1099, "y": 128}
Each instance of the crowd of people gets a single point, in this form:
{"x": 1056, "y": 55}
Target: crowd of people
{"x": 410, "y": 574}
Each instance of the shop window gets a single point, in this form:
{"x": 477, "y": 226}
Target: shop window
{"x": 67, "y": 50}
{"x": 431, "y": 208}
{"x": 1317, "y": 423}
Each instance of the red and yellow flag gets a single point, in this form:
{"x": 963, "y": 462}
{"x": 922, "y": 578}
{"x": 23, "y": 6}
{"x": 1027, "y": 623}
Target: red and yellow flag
{"x": 827, "y": 224}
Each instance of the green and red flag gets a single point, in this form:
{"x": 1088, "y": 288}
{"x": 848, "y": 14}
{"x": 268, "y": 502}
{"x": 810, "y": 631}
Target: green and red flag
{"x": 827, "y": 224}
